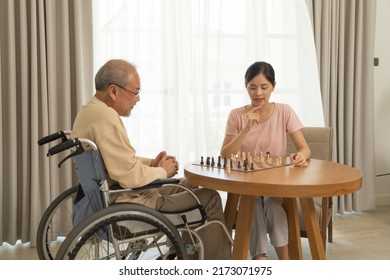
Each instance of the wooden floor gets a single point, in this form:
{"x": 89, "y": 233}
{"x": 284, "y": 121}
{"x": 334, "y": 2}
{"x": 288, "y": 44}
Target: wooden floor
{"x": 357, "y": 236}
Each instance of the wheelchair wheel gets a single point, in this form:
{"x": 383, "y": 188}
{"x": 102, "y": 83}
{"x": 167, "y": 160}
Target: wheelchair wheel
{"x": 126, "y": 232}
{"x": 55, "y": 224}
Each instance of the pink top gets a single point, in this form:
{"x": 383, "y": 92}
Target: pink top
{"x": 269, "y": 136}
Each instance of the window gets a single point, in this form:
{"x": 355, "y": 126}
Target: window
{"x": 192, "y": 56}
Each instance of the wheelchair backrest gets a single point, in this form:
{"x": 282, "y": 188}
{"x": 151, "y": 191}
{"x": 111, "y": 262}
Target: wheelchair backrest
{"x": 91, "y": 172}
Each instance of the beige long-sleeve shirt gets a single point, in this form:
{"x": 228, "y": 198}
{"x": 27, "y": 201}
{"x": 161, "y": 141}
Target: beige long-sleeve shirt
{"x": 101, "y": 124}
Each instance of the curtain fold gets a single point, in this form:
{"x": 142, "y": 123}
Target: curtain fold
{"x": 344, "y": 38}
{"x": 46, "y": 74}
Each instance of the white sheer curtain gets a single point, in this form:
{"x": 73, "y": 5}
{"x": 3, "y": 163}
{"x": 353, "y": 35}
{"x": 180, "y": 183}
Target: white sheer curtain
{"x": 192, "y": 56}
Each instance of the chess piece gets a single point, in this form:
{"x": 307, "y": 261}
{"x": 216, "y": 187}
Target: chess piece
{"x": 201, "y": 160}
{"x": 239, "y": 164}
{"x": 208, "y": 161}
{"x": 228, "y": 169}
{"x": 219, "y": 161}
{"x": 212, "y": 161}
{"x": 252, "y": 166}
{"x": 224, "y": 162}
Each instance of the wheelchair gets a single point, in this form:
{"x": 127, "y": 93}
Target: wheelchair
{"x": 128, "y": 231}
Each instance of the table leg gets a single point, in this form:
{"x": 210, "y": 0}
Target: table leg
{"x": 312, "y": 229}
{"x": 243, "y": 227}
{"x": 294, "y": 234}
{"x": 231, "y": 210}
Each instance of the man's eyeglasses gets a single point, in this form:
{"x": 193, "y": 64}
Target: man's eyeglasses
{"x": 135, "y": 94}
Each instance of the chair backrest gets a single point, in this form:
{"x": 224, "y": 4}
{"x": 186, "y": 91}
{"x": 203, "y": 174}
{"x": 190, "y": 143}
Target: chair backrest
{"x": 91, "y": 172}
{"x": 319, "y": 139}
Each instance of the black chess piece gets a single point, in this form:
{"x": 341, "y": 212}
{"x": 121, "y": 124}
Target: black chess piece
{"x": 208, "y": 161}
{"x": 224, "y": 162}
{"x": 239, "y": 164}
{"x": 212, "y": 161}
{"x": 252, "y": 166}
{"x": 201, "y": 160}
{"x": 219, "y": 161}
{"x": 245, "y": 165}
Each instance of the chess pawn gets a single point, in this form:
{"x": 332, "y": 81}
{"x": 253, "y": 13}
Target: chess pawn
{"x": 228, "y": 169}
{"x": 201, "y": 160}
{"x": 268, "y": 157}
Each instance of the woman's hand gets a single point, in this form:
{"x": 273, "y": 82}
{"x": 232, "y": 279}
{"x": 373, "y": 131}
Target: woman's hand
{"x": 298, "y": 159}
{"x": 253, "y": 117}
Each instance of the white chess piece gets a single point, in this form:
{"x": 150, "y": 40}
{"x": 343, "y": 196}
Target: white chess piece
{"x": 228, "y": 170}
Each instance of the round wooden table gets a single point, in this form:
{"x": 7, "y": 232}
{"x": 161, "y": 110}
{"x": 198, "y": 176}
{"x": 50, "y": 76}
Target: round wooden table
{"x": 319, "y": 179}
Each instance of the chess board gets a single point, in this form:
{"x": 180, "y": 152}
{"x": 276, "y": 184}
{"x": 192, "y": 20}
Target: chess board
{"x": 252, "y": 165}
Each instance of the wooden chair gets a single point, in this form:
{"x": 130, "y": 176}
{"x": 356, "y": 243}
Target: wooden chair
{"x": 320, "y": 142}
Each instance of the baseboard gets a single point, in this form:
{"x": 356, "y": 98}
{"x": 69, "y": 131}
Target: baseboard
{"x": 383, "y": 200}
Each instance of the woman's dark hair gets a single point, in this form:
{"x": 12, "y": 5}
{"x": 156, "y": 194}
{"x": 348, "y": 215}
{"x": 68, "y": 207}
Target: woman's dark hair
{"x": 260, "y": 67}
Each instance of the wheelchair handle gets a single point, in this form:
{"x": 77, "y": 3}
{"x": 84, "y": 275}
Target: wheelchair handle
{"x": 77, "y": 143}
{"x": 59, "y": 134}
{"x": 63, "y": 146}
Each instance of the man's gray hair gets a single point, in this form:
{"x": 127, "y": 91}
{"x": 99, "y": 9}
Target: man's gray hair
{"x": 113, "y": 72}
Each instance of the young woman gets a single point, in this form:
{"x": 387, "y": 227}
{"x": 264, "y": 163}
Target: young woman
{"x": 262, "y": 126}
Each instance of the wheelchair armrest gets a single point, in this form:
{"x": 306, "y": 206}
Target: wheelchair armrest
{"x": 159, "y": 182}
{"x": 155, "y": 184}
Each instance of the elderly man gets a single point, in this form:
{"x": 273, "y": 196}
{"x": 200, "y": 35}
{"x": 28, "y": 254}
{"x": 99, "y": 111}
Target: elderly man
{"x": 118, "y": 86}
